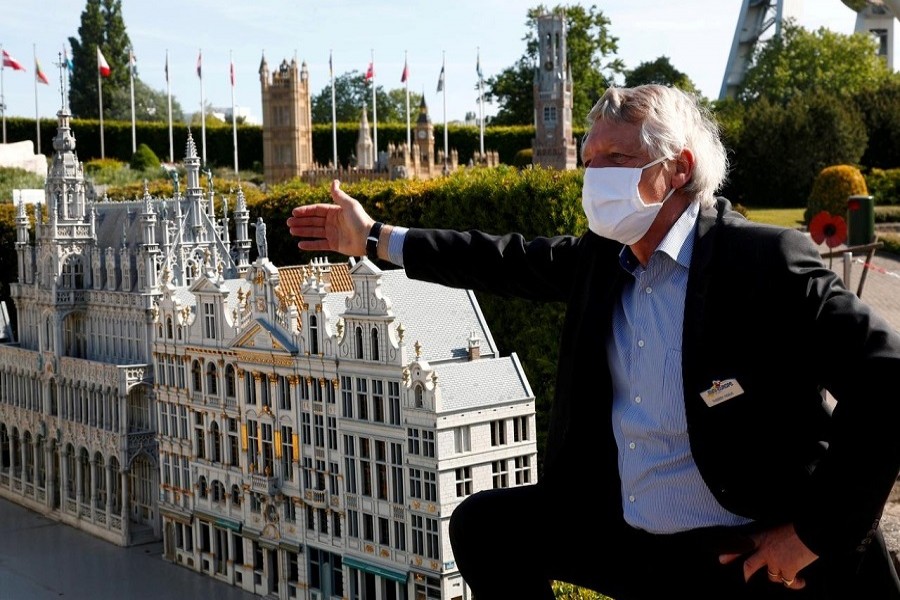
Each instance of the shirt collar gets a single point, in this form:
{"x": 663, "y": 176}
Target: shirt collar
{"x": 678, "y": 243}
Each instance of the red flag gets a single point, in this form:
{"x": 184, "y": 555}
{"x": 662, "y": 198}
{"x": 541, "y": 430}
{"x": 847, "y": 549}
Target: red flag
{"x": 9, "y": 61}
{"x": 102, "y": 64}
{"x": 199, "y": 64}
{"x": 39, "y": 74}
{"x": 371, "y": 72}
{"x": 232, "y": 74}
{"x": 405, "y": 73}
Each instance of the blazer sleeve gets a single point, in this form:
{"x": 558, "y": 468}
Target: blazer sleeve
{"x": 508, "y": 265}
{"x": 858, "y": 359}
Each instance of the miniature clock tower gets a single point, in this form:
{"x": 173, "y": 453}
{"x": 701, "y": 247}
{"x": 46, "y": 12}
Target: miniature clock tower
{"x": 554, "y": 145}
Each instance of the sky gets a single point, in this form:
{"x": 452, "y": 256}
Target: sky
{"x": 695, "y": 35}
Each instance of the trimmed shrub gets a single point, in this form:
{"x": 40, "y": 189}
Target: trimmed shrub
{"x": 144, "y": 158}
{"x": 884, "y": 186}
{"x": 523, "y": 158}
{"x": 831, "y": 189}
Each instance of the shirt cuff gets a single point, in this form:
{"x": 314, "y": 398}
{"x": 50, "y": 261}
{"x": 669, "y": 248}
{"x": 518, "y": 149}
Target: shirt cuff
{"x": 395, "y": 245}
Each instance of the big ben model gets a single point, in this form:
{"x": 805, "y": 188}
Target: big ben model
{"x": 424, "y": 142}
{"x": 554, "y": 145}
{"x": 287, "y": 121}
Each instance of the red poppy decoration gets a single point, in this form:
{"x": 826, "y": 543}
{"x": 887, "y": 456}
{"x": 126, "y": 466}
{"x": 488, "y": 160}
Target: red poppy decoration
{"x": 828, "y": 228}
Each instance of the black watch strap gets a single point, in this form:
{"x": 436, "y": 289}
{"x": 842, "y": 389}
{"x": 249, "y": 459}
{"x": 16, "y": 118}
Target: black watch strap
{"x": 372, "y": 241}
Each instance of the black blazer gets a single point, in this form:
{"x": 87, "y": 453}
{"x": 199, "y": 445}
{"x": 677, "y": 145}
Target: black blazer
{"x": 761, "y": 308}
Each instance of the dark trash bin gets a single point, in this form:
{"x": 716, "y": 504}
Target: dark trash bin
{"x": 860, "y": 220}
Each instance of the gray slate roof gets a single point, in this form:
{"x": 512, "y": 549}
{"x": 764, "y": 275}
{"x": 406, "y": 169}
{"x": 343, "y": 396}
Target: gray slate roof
{"x": 483, "y": 382}
{"x": 441, "y": 319}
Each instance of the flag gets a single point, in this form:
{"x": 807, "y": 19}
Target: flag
{"x": 199, "y": 64}
{"x": 39, "y": 74}
{"x": 102, "y": 65}
{"x": 405, "y": 75}
{"x": 440, "y": 86}
{"x": 232, "y": 73}
{"x": 330, "y": 67}
{"x": 478, "y": 68}
{"x": 67, "y": 62}
{"x": 9, "y": 61}
{"x": 132, "y": 63}
{"x": 167, "y": 67}
{"x": 371, "y": 72}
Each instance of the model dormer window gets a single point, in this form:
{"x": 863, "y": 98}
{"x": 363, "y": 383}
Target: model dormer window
{"x": 359, "y": 342}
{"x": 73, "y": 273}
{"x": 313, "y": 334}
{"x": 420, "y": 396}
{"x": 209, "y": 320}
{"x": 374, "y": 343}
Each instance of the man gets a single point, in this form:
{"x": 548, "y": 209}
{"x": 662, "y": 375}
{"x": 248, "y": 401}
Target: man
{"x": 690, "y": 453}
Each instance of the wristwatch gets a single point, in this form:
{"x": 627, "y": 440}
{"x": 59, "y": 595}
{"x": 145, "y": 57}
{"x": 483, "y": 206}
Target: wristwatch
{"x": 372, "y": 241}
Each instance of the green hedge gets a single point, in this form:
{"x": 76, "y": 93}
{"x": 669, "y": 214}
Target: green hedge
{"x": 506, "y": 141}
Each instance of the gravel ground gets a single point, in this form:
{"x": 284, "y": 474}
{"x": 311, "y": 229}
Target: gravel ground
{"x": 890, "y": 524}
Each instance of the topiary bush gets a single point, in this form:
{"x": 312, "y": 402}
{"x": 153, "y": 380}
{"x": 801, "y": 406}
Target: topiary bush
{"x": 524, "y": 158}
{"x": 144, "y": 158}
{"x": 831, "y": 188}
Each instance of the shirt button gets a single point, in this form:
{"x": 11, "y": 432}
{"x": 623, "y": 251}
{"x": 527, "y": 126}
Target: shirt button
{"x": 637, "y": 399}
{"x": 632, "y": 445}
{"x": 631, "y": 498}
{"x": 640, "y": 343}
{"x": 648, "y": 289}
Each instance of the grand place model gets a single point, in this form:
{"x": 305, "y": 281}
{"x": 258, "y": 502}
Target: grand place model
{"x": 299, "y": 432}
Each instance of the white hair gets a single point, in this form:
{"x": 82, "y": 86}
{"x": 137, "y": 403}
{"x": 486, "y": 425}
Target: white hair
{"x": 671, "y": 120}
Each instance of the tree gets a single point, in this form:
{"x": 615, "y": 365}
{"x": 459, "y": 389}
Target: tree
{"x": 101, "y": 26}
{"x": 149, "y": 104}
{"x": 352, "y": 91}
{"x": 800, "y": 61}
{"x": 780, "y": 149}
{"x": 659, "y": 71}
{"x": 590, "y": 49}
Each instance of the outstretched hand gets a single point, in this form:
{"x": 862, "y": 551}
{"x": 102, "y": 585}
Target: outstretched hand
{"x": 339, "y": 227}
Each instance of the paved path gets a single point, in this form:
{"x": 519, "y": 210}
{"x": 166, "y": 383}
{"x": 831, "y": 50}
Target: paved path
{"x": 41, "y": 559}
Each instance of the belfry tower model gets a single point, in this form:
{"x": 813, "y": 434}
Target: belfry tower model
{"x": 554, "y": 144}
{"x": 287, "y": 121}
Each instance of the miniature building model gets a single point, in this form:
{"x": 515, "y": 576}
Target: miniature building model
{"x": 554, "y": 144}
{"x": 287, "y": 121}
{"x": 299, "y": 432}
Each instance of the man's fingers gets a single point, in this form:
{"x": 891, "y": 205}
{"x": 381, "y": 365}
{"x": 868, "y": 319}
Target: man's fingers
{"x": 754, "y": 563}
{"x": 314, "y": 245}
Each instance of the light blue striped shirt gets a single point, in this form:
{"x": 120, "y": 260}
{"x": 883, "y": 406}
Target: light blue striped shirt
{"x": 662, "y": 491}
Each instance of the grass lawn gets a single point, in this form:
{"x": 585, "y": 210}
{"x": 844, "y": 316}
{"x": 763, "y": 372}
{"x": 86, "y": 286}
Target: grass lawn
{"x": 786, "y": 217}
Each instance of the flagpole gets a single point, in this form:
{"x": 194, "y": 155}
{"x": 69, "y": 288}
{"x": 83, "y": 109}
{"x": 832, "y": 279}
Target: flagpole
{"x": 446, "y": 139}
{"x": 374, "y": 117}
{"x": 333, "y": 112}
{"x": 480, "y": 99}
{"x": 408, "y": 127}
{"x": 37, "y": 115}
{"x": 233, "y": 115}
{"x": 202, "y": 105}
{"x": 131, "y": 77}
{"x": 169, "y": 97}
{"x": 100, "y": 98}
{"x": 2, "y": 102}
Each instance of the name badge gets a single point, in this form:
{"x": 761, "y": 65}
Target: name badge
{"x": 721, "y": 391}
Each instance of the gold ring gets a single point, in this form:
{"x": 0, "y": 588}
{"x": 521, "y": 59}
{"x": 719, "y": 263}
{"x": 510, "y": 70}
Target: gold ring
{"x": 773, "y": 575}
{"x": 787, "y": 582}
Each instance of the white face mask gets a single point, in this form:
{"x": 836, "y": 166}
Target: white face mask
{"x": 613, "y": 204}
